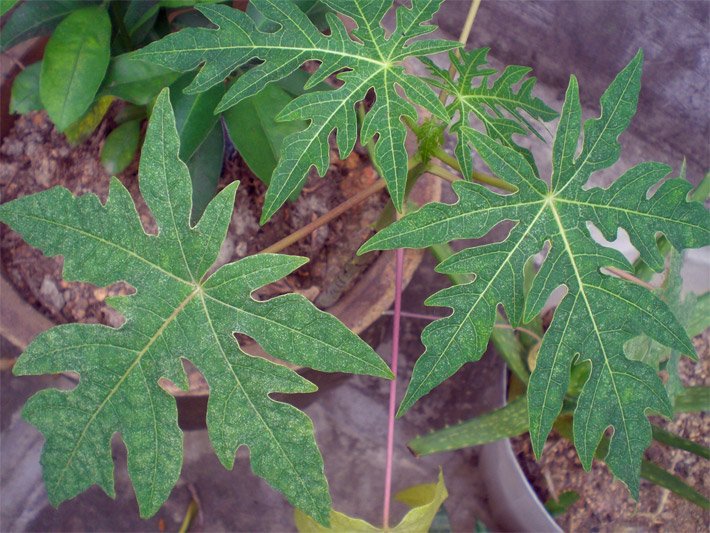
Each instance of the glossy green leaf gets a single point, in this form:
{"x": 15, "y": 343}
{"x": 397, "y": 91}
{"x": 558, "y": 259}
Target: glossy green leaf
{"x": 497, "y": 105}
{"x": 135, "y": 81}
{"x": 510, "y": 420}
{"x": 175, "y": 313}
{"x": 194, "y": 114}
{"x": 120, "y": 147}
{"x": 25, "y": 90}
{"x": 599, "y": 312}
{"x": 7, "y": 5}
{"x": 74, "y": 64}
{"x": 371, "y": 60}
{"x": 36, "y": 17}
{"x": 205, "y": 167}
{"x": 256, "y": 133}
{"x": 423, "y": 500}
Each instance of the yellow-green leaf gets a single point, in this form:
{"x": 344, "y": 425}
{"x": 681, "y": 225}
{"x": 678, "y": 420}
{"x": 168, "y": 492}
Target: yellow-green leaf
{"x": 424, "y": 501}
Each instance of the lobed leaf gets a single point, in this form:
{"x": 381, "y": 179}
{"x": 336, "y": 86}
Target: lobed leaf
{"x": 599, "y": 312}
{"x": 497, "y": 105}
{"x": 367, "y": 60}
{"x": 175, "y": 313}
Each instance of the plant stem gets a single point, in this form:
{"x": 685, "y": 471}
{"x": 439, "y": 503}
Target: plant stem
{"x": 463, "y": 38}
{"x": 480, "y": 177}
{"x": 306, "y": 230}
{"x": 442, "y": 173}
{"x": 399, "y": 269}
{"x": 189, "y": 515}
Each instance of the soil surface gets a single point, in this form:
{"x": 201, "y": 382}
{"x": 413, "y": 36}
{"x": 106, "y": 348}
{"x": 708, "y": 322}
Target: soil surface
{"x": 605, "y": 504}
{"x": 35, "y": 157}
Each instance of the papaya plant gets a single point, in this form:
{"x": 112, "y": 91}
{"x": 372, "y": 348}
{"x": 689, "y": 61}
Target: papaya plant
{"x": 295, "y": 73}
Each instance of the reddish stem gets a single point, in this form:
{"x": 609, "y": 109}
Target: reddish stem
{"x": 399, "y": 269}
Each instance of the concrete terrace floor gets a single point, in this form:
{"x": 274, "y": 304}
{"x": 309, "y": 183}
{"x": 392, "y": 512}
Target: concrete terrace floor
{"x": 591, "y": 39}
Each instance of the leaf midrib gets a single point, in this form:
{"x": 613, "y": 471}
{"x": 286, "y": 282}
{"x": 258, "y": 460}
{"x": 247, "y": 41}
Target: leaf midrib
{"x": 581, "y": 291}
{"x": 483, "y": 292}
{"x": 104, "y": 241}
{"x": 112, "y": 392}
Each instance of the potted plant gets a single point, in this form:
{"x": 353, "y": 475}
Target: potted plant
{"x": 181, "y": 309}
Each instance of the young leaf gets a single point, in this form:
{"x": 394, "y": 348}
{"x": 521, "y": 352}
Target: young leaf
{"x": 74, "y": 65}
{"x": 496, "y": 105}
{"x": 25, "y": 90}
{"x": 175, "y": 313}
{"x": 692, "y": 311}
{"x": 256, "y": 134}
{"x": 120, "y": 147}
{"x": 367, "y": 60}
{"x": 599, "y": 312}
{"x": 423, "y": 500}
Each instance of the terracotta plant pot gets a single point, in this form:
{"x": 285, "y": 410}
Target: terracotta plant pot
{"x": 358, "y": 308}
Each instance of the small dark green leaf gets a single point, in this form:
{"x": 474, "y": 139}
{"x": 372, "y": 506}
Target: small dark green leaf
{"x": 120, "y": 147}
{"x": 74, "y": 65}
{"x": 36, "y": 17}
{"x": 134, "y": 80}
{"x": 562, "y": 504}
{"x": 257, "y": 135}
{"x": 194, "y": 114}
{"x": 205, "y": 167}
{"x": 25, "y": 90}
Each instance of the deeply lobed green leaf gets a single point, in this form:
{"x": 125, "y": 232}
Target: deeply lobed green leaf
{"x": 175, "y": 313}
{"x": 367, "y": 60}
{"x": 599, "y": 312}
{"x": 497, "y": 105}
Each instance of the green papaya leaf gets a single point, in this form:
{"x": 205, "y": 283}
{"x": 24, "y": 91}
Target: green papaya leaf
{"x": 176, "y": 312}
{"x": 74, "y": 65}
{"x": 599, "y": 312}
{"x": 370, "y": 59}
{"x": 120, "y": 147}
{"x": 424, "y": 502}
{"x": 135, "y": 81}
{"x": 36, "y": 17}
{"x": 256, "y": 133}
{"x": 497, "y": 105}
{"x": 25, "y": 90}
{"x": 194, "y": 114}
{"x": 205, "y": 167}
